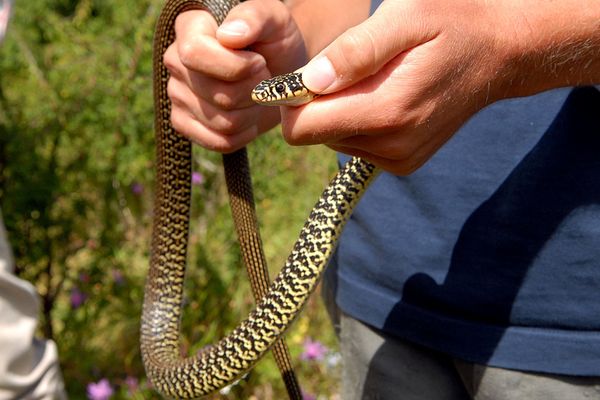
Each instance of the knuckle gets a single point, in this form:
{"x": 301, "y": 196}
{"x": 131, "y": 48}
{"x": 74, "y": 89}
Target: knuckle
{"x": 400, "y": 138}
{"x": 357, "y": 50}
{"x": 221, "y": 144}
{"x": 290, "y": 140}
{"x": 404, "y": 166}
{"x": 398, "y": 151}
{"x": 174, "y": 93}
{"x": 179, "y": 121}
{"x": 187, "y": 52}
{"x": 232, "y": 123}
{"x": 225, "y": 100}
{"x": 292, "y": 137}
{"x": 170, "y": 58}
{"x": 242, "y": 119}
{"x": 233, "y": 96}
{"x": 218, "y": 93}
{"x": 235, "y": 72}
{"x": 225, "y": 125}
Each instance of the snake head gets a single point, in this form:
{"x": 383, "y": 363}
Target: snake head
{"x": 283, "y": 90}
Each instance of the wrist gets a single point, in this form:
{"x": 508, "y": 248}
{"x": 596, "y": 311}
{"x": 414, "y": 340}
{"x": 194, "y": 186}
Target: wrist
{"x": 549, "y": 44}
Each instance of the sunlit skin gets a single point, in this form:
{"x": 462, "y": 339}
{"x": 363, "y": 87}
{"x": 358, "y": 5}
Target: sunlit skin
{"x": 402, "y": 81}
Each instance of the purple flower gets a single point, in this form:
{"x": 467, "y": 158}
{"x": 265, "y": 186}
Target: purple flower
{"x": 132, "y": 384}
{"x": 308, "y": 396}
{"x": 100, "y": 390}
{"x": 118, "y": 277}
{"x": 77, "y": 298}
{"x": 197, "y": 178}
{"x": 313, "y": 350}
{"x": 137, "y": 188}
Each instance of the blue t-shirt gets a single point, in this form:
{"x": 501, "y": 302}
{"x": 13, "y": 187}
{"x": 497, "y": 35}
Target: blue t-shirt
{"x": 490, "y": 252}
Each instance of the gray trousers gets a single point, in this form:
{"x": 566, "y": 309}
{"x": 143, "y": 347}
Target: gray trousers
{"x": 377, "y": 366}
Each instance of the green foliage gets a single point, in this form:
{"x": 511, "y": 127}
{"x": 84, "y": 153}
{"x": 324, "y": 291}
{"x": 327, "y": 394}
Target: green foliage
{"x": 76, "y": 157}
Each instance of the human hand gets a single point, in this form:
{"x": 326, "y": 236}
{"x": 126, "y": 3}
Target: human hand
{"x": 400, "y": 84}
{"x": 213, "y": 70}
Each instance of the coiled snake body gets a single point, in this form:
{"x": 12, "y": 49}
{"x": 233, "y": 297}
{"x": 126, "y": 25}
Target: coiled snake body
{"x": 220, "y": 364}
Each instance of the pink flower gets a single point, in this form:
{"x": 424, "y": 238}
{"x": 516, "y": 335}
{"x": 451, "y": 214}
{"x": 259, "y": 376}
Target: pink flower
{"x": 313, "y": 350}
{"x": 100, "y": 390}
{"x": 77, "y": 298}
{"x": 132, "y": 384}
{"x": 197, "y": 178}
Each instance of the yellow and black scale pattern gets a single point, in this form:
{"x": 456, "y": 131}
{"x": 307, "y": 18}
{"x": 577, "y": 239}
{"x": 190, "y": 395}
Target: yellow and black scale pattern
{"x": 220, "y": 364}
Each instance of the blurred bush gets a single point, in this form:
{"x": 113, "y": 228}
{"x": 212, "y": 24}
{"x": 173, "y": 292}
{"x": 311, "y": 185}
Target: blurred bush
{"x": 76, "y": 170}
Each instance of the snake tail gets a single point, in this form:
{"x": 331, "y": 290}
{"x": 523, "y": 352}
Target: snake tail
{"x": 243, "y": 211}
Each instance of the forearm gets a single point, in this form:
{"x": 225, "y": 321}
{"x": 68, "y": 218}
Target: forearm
{"x": 547, "y": 43}
{"x": 401, "y": 83}
{"x": 321, "y": 21}
{"x": 557, "y": 44}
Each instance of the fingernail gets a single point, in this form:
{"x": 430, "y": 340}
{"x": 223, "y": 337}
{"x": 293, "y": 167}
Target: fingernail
{"x": 319, "y": 74}
{"x": 237, "y": 27}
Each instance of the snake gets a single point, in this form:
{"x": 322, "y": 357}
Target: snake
{"x": 279, "y": 302}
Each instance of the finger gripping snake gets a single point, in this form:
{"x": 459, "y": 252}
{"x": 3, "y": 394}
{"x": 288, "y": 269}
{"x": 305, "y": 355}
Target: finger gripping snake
{"x": 220, "y": 364}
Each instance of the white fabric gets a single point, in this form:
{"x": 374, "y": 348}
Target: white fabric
{"x": 29, "y": 367}
{"x": 5, "y": 10}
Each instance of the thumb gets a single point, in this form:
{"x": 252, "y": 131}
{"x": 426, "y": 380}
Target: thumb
{"x": 255, "y": 21}
{"x": 265, "y": 27}
{"x": 363, "y": 50}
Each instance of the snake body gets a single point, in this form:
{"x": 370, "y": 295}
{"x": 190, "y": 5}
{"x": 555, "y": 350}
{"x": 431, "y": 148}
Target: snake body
{"x": 220, "y": 364}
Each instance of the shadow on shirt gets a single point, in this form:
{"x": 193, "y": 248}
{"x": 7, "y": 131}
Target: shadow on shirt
{"x": 517, "y": 261}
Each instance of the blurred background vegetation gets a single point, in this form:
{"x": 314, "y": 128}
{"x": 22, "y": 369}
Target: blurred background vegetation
{"x": 76, "y": 178}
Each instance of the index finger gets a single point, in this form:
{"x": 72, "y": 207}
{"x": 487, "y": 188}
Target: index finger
{"x": 200, "y": 51}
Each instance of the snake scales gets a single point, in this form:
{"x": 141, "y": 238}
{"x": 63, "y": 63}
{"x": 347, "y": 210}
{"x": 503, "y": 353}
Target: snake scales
{"x": 218, "y": 365}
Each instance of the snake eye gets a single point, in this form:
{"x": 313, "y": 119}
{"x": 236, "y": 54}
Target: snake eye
{"x": 280, "y": 88}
